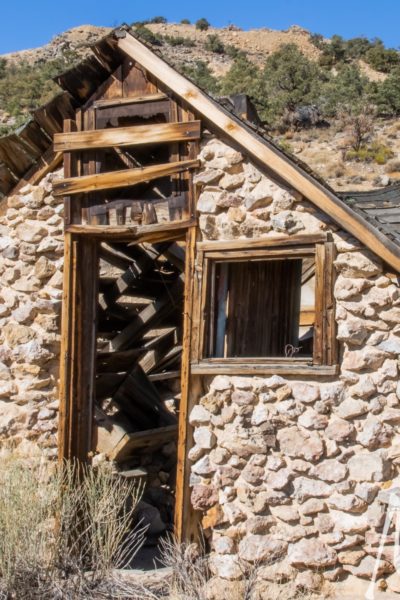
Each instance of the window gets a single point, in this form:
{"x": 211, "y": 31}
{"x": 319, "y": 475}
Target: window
{"x": 266, "y": 308}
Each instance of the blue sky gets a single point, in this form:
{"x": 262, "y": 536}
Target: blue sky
{"x": 30, "y": 23}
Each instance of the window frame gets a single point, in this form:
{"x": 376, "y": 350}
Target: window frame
{"x": 325, "y": 347}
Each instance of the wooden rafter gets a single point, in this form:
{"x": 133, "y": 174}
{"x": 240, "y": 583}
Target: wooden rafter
{"x": 157, "y": 133}
{"x": 118, "y": 179}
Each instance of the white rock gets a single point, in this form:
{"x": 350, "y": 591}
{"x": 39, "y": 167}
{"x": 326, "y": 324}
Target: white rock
{"x": 350, "y": 408}
{"x": 358, "y": 264}
{"x": 226, "y": 566}
{"x": 311, "y": 553}
{"x": 261, "y": 414}
{"x": 305, "y": 488}
{"x": 199, "y": 416}
{"x": 369, "y": 466}
{"x": 221, "y": 383}
{"x": 204, "y": 438}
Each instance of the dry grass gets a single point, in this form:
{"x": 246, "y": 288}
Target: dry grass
{"x": 63, "y": 532}
{"x": 191, "y": 580}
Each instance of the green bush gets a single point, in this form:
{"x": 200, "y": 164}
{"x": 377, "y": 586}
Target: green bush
{"x": 3, "y": 67}
{"x": 214, "y": 44}
{"x": 233, "y": 51}
{"x": 386, "y": 95}
{"x": 185, "y": 22}
{"x": 158, "y": 20}
{"x": 179, "y": 41}
{"x": 202, "y": 24}
{"x": 244, "y": 77}
{"x": 381, "y": 58}
{"x": 290, "y": 80}
{"x": 318, "y": 40}
{"x": 24, "y": 87}
{"x": 333, "y": 52}
{"x": 375, "y": 152}
{"x": 145, "y": 34}
{"x": 201, "y": 75}
{"x": 348, "y": 87}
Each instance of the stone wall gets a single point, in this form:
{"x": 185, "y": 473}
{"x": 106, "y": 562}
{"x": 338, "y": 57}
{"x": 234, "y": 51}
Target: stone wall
{"x": 295, "y": 471}
{"x": 284, "y": 470}
{"x": 31, "y": 261}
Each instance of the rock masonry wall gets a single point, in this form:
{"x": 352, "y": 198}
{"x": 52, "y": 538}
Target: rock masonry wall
{"x": 31, "y": 261}
{"x": 289, "y": 471}
{"x": 295, "y": 471}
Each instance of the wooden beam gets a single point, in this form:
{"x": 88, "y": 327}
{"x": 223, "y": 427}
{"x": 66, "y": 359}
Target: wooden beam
{"x": 170, "y": 299}
{"x": 224, "y": 368}
{"x": 261, "y": 150}
{"x": 107, "y": 102}
{"x": 138, "y": 234}
{"x": 118, "y": 179}
{"x": 78, "y": 343}
{"x": 278, "y": 240}
{"x": 138, "y": 135}
{"x": 151, "y": 438}
{"x": 185, "y": 524}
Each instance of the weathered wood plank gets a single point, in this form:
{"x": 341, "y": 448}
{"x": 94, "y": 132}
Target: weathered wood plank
{"x": 152, "y": 438}
{"x": 146, "y": 316}
{"x": 118, "y": 179}
{"x": 157, "y": 133}
{"x": 107, "y": 102}
{"x": 208, "y": 368}
{"x": 183, "y": 510}
{"x": 279, "y": 240}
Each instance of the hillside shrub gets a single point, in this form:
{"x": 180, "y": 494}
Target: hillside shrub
{"x": 185, "y": 22}
{"x": 25, "y": 87}
{"x": 375, "y": 152}
{"x": 214, "y": 44}
{"x": 244, "y": 77}
{"x": 201, "y": 75}
{"x": 233, "y": 51}
{"x": 386, "y": 95}
{"x": 3, "y": 67}
{"x": 290, "y": 80}
{"x": 348, "y": 87}
{"x": 382, "y": 59}
{"x": 202, "y": 24}
{"x": 358, "y": 123}
{"x": 333, "y": 51}
{"x": 179, "y": 41}
{"x": 145, "y": 34}
{"x": 158, "y": 20}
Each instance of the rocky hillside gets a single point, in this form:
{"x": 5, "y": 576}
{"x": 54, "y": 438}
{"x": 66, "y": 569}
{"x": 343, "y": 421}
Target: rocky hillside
{"x": 324, "y": 149}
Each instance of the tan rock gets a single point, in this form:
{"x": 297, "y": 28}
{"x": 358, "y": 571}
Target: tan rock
{"x": 256, "y": 548}
{"x": 298, "y": 444}
{"x": 358, "y": 264}
{"x": 367, "y": 358}
{"x": 44, "y": 268}
{"x": 311, "y": 553}
{"x": 17, "y": 334}
{"x": 330, "y": 470}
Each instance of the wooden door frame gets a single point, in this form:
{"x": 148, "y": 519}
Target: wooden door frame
{"x": 77, "y": 366}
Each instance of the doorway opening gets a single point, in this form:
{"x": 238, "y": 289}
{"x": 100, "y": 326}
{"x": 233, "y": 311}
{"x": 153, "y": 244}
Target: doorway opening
{"x": 138, "y": 368}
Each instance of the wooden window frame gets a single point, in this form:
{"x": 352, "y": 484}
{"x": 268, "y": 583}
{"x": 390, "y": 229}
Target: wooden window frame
{"x": 324, "y": 359}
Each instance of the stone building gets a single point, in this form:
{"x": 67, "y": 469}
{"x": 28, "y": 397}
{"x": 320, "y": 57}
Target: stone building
{"x": 230, "y": 325}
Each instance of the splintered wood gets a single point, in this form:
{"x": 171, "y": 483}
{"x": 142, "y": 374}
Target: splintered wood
{"x": 139, "y": 342}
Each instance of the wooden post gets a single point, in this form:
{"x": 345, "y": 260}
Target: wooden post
{"x": 78, "y": 346}
{"x": 186, "y": 521}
